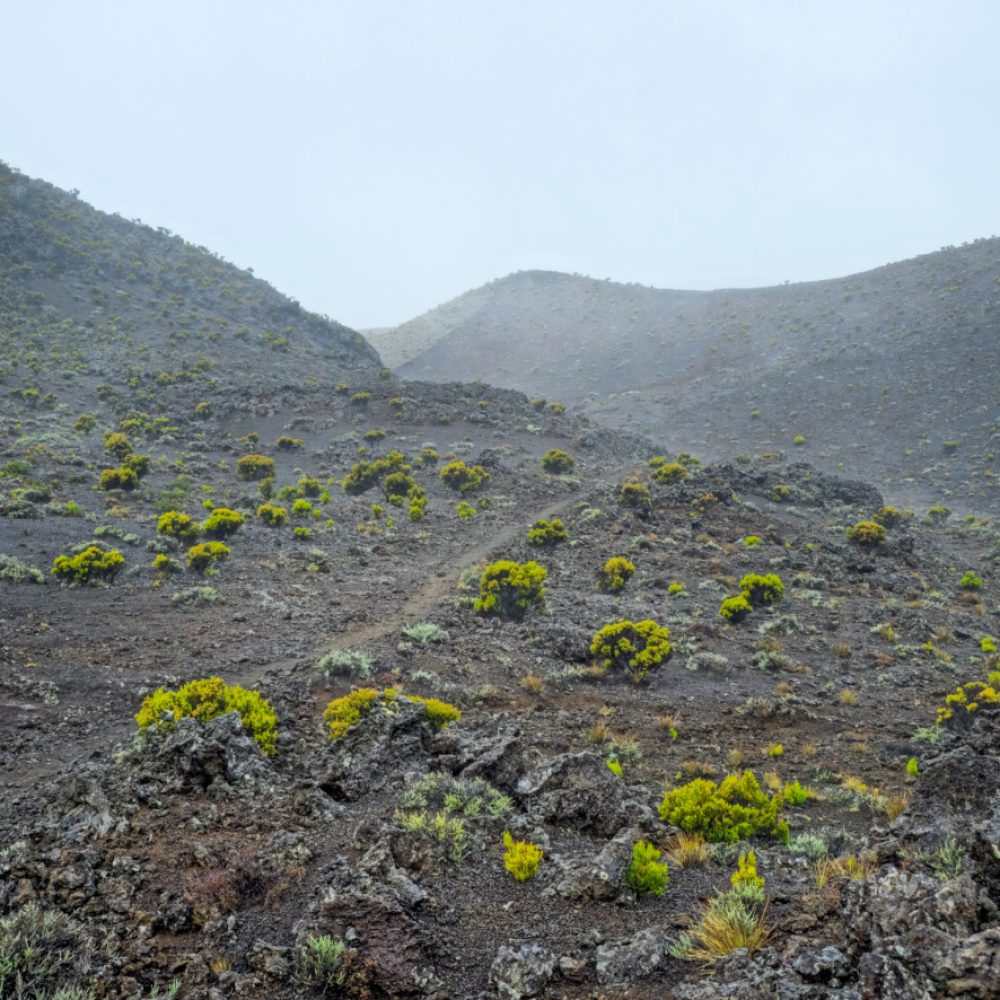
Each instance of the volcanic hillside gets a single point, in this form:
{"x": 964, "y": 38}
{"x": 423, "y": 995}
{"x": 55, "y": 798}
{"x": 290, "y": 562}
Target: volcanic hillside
{"x": 891, "y": 374}
{"x": 318, "y": 683}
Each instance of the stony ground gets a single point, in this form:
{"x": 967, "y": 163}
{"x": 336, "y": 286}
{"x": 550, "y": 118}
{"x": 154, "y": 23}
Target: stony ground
{"x": 193, "y": 857}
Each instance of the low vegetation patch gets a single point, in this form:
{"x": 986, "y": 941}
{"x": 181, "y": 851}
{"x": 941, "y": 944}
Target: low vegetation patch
{"x": 207, "y": 699}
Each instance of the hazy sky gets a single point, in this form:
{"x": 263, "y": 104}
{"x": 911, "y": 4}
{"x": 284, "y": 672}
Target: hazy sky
{"x": 374, "y": 158}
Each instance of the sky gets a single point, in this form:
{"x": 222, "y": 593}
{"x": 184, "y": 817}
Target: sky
{"x": 373, "y": 159}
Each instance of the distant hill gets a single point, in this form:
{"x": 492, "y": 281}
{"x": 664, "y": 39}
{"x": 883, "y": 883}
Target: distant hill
{"x": 891, "y": 374}
{"x": 87, "y": 297}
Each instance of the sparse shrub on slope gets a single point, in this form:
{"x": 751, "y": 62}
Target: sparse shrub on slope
{"x": 867, "y": 534}
{"x": 615, "y": 573}
{"x": 961, "y": 705}
{"x": 207, "y": 699}
{"x": 207, "y": 554}
{"x": 93, "y": 563}
{"x": 544, "y": 532}
{"x": 255, "y": 467}
{"x": 174, "y": 524}
{"x": 16, "y": 571}
{"x": 760, "y": 589}
{"x": 724, "y": 813}
{"x": 119, "y": 479}
{"x": 511, "y": 589}
{"x": 273, "y": 516}
{"x": 635, "y": 647}
{"x": 222, "y": 522}
{"x": 343, "y": 714}
{"x": 521, "y": 858}
{"x": 558, "y": 462}
{"x": 118, "y": 445}
{"x": 635, "y": 496}
{"x": 888, "y": 517}
{"x": 647, "y": 873}
{"x": 735, "y": 609}
{"x": 670, "y": 473}
{"x": 461, "y": 477}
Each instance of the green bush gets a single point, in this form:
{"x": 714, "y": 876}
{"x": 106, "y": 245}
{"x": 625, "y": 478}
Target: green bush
{"x": 544, "y": 532}
{"x": 521, "y": 858}
{"x": 16, "y": 571}
{"x": 343, "y": 714}
{"x": 174, "y": 524}
{"x": 647, "y": 873}
{"x": 511, "y": 589}
{"x": 636, "y": 647}
{"x": 207, "y": 554}
{"x": 970, "y": 581}
{"x": 461, "y": 477}
{"x": 735, "y": 609}
{"x": 272, "y": 515}
{"x": 635, "y": 496}
{"x": 888, "y": 517}
{"x": 760, "y": 589}
{"x": 670, "y": 473}
{"x": 93, "y": 563}
{"x": 286, "y": 443}
{"x": 222, "y": 522}
{"x": 254, "y": 467}
{"x": 868, "y": 534}
{"x": 119, "y": 479}
{"x": 118, "y": 445}
{"x": 961, "y": 705}
{"x": 724, "y": 813}
{"x": 558, "y": 462}
{"x": 380, "y": 472}
{"x": 615, "y": 573}
{"x": 207, "y": 699}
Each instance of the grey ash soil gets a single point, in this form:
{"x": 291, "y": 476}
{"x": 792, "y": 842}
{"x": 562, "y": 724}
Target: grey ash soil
{"x": 190, "y": 856}
{"x": 876, "y": 371}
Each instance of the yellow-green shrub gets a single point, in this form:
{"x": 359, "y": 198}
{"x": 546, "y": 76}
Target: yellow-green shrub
{"x": 670, "y": 473}
{"x": 647, "y": 873}
{"x": 868, "y": 534}
{"x": 253, "y": 467}
{"x": 636, "y": 647}
{"x": 967, "y": 699}
{"x": 139, "y": 464}
{"x": 521, "y": 858}
{"x": 118, "y": 445}
{"x": 93, "y": 563}
{"x": 511, "y": 589}
{"x": 207, "y": 699}
{"x": 544, "y": 532}
{"x": 119, "y": 479}
{"x": 177, "y": 525}
{"x": 635, "y": 496}
{"x": 272, "y": 515}
{"x": 207, "y": 554}
{"x": 735, "y": 609}
{"x": 461, "y": 477}
{"x": 616, "y": 572}
{"x": 558, "y": 462}
{"x": 344, "y": 713}
{"x": 760, "y": 589}
{"x": 222, "y": 522}
{"x": 745, "y": 878}
{"x": 727, "y": 812}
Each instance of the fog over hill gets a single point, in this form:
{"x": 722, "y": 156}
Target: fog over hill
{"x": 891, "y": 373}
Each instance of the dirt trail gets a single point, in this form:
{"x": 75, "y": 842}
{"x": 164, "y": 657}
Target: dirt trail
{"x": 439, "y": 581}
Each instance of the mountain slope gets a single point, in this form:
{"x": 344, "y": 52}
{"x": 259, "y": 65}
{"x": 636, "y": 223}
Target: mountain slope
{"x": 890, "y": 373}
{"x": 88, "y": 297}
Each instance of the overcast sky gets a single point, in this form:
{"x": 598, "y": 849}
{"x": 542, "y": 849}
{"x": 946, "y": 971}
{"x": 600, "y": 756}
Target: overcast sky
{"x": 373, "y": 159}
